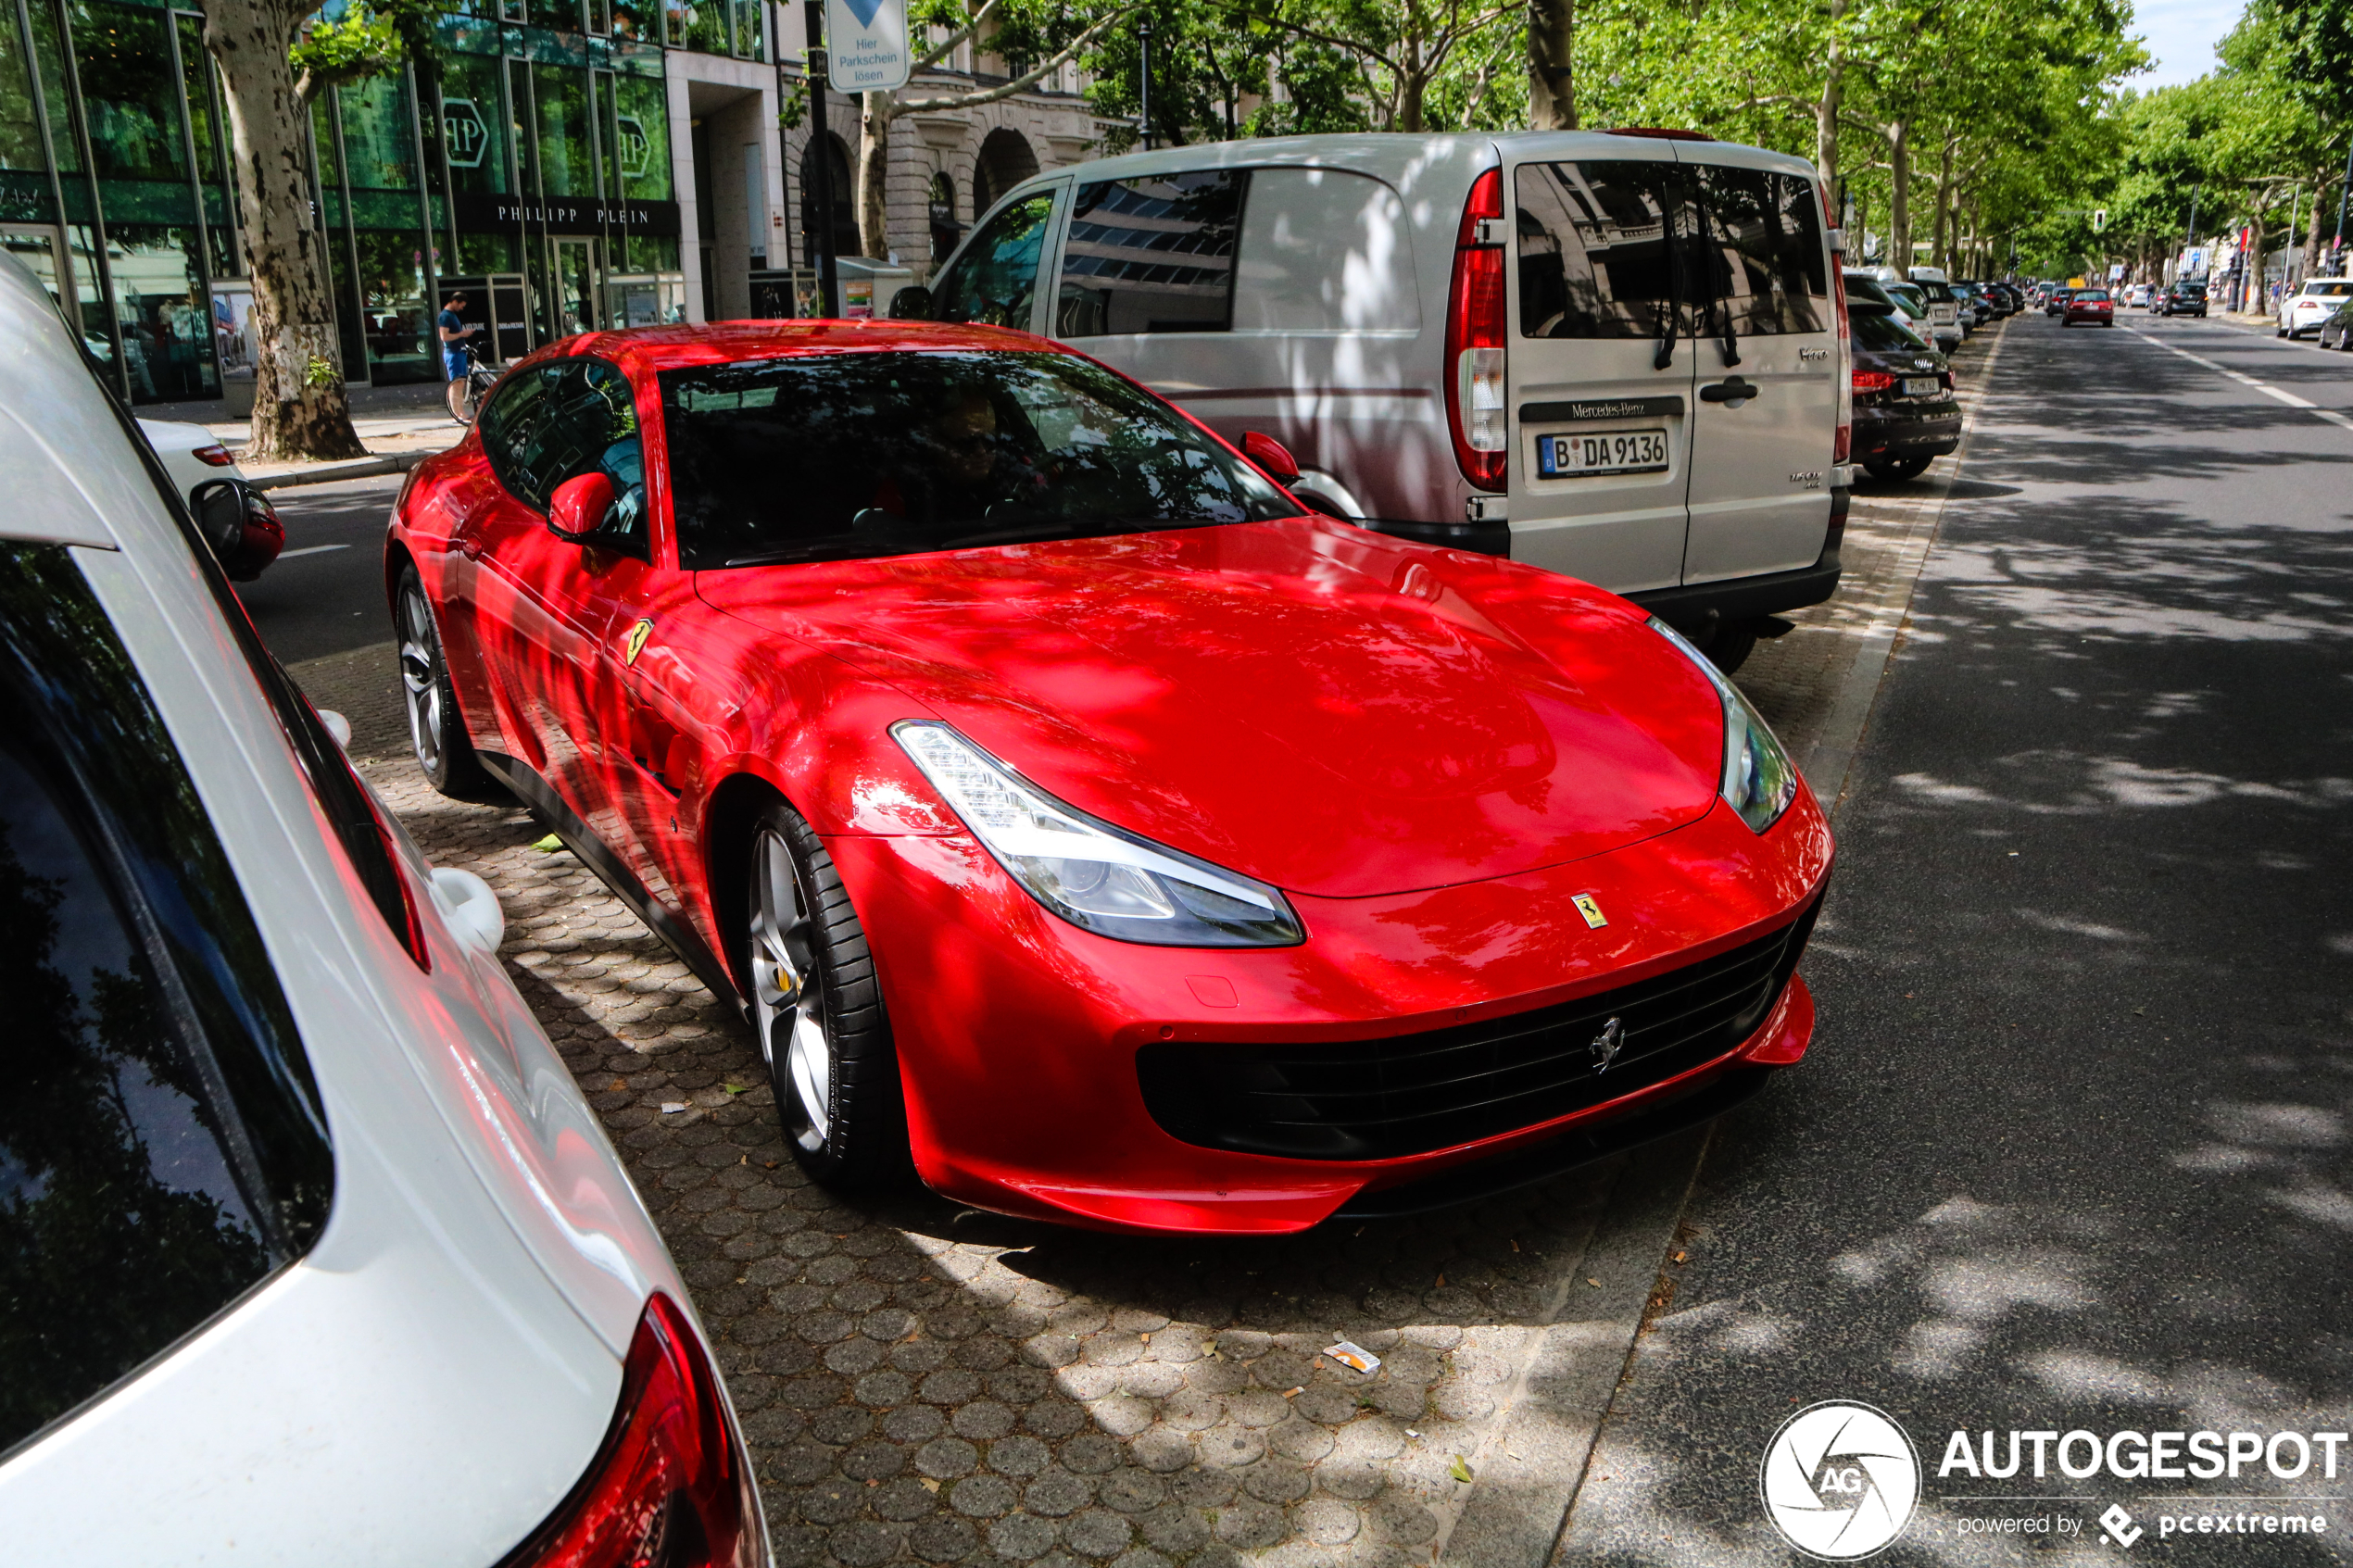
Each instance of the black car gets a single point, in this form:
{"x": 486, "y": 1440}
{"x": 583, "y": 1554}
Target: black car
{"x": 2055, "y": 302}
{"x": 1904, "y": 408}
{"x": 2337, "y": 331}
{"x": 2180, "y": 299}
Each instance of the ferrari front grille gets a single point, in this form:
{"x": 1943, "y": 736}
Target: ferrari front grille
{"x": 1409, "y": 1094}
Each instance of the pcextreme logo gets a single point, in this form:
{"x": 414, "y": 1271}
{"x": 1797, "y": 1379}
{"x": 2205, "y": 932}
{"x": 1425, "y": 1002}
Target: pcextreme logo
{"x": 1839, "y": 1481}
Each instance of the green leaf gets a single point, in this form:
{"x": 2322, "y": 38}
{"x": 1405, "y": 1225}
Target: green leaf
{"x": 548, "y": 844}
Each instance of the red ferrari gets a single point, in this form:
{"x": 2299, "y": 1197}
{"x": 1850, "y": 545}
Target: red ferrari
{"x": 1072, "y": 814}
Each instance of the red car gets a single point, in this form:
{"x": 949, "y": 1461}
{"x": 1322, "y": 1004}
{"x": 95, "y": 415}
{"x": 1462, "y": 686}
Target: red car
{"x": 1074, "y": 814}
{"x": 2089, "y": 305}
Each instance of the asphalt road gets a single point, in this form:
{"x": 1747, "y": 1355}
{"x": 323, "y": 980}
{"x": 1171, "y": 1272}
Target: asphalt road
{"x": 2070, "y": 1149}
{"x": 325, "y": 595}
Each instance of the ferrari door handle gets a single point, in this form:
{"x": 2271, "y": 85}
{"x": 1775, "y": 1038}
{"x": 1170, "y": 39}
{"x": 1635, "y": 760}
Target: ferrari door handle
{"x": 1731, "y": 392}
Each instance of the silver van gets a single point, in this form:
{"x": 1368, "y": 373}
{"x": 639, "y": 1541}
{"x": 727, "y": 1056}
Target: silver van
{"x": 1621, "y": 356}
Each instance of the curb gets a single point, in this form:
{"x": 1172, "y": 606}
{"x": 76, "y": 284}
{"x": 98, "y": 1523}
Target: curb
{"x": 348, "y": 468}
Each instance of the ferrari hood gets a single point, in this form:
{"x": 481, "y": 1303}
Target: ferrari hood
{"x": 1333, "y": 713}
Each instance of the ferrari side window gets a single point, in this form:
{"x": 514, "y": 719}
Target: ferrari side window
{"x": 565, "y": 420}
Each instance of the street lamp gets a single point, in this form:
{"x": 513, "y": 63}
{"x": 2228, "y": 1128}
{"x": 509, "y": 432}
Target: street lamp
{"x": 1144, "y": 82}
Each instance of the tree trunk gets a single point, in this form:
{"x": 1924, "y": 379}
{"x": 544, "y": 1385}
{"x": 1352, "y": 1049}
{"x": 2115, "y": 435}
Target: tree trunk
{"x": 1825, "y": 108}
{"x": 2316, "y": 233}
{"x": 1551, "y": 76}
{"x": 294, "y": 318}
{"x": 873, "y": 173}
{"x": 1899, "y": 205}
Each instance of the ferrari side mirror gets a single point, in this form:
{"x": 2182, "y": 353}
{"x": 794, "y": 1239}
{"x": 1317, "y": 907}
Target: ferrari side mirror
{"x": 910, "y": 303}
{"x": 577, "y": 509}
{"x": 1272, "y": 455}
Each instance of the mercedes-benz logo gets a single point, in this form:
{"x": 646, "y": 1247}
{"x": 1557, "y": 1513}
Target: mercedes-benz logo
{"x": 1607, "y": 1044}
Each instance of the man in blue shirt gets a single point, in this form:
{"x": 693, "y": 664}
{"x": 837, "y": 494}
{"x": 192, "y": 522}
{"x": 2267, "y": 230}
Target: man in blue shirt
{"x": 454, "y": 330}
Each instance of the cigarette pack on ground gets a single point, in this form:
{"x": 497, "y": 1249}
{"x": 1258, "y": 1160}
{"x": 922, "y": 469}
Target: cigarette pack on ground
{"x": 1349, "y": 1354}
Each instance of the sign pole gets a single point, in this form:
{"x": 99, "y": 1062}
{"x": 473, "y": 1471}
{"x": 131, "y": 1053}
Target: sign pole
{"x": 821, "y": 178}
{"x": 1144, "y": 84}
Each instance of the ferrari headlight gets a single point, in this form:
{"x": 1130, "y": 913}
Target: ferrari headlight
{"x": 1092, "y": 875}
{"x": 1759, "y": 780}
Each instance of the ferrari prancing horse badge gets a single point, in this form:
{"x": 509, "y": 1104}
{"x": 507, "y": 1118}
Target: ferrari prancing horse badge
{"x": 1591, "y": 908}
{"x": 635, "y": 642}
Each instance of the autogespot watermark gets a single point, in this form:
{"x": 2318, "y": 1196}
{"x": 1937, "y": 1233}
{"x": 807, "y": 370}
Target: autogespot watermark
{"x": 1841, "y": 1481}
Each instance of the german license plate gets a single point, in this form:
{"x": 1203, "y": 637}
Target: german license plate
{"x": 1614, "y": 451}
{"x": 1919, "y": 386}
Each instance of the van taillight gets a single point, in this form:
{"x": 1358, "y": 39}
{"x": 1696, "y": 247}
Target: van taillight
{"x": 669, "y": 1487}
{"x": 1475, "y": 408}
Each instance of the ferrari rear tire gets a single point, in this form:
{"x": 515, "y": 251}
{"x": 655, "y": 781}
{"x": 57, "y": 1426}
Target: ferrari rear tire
{"x": 817, "y": 1013}
{"x": 437, "y": 736}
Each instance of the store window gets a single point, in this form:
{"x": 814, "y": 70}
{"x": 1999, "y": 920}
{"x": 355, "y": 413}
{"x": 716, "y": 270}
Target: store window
{"x": 49, "y": 56}
{"x": 163, "y": 311}
{"x": 567, "y": 166}
{"x": 19, "y": 127}
{"x": 131, "y": 103}
{"x": 398, "y": 323}
{"x": 945, "y": 229}
{"x": 697, "y": 24}
{"x": 642, "y": 137}
{"x": 473, "y": 123}
{"x": 637, "y": 21}
{"x": 195, "y": 86}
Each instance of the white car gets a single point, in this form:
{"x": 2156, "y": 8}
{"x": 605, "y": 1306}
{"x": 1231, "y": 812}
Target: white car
{"x": 190, "y": 454}
{"x": 314, "y": 1252}
{"x": 2137, "y": 297}
{"x": 2314, "y": 303}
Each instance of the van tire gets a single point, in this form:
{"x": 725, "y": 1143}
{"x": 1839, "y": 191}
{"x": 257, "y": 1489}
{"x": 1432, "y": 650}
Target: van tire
{"x": 1732, "y": 644}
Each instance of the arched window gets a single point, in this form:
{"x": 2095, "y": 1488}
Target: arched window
{"x": 1005, "y": 161}
{"x": 845, "y": 195}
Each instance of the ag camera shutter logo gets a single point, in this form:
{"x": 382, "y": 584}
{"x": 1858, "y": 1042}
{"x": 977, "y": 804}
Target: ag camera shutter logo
{"x": 1839, "y": 1481}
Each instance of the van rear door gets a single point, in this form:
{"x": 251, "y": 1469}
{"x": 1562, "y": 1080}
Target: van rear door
{"x": 1765, "y": 420}
{"x": 1599, "y": 374}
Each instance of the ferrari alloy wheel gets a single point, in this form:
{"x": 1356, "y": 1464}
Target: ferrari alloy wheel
{"x": 816, "y": 1009}
{"x": 436, "y": 735}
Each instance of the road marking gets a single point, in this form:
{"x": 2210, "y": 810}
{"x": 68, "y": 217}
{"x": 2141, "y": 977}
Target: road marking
{"x": 310, "y": 550}
{"x": 2266, "y": 388}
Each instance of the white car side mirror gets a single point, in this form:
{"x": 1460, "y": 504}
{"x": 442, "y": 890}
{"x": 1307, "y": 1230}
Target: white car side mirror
{"x": 470, "y": 907}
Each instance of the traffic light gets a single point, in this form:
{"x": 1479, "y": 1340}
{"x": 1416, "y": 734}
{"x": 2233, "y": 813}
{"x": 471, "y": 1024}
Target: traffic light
{"x": 2100, "y": 220}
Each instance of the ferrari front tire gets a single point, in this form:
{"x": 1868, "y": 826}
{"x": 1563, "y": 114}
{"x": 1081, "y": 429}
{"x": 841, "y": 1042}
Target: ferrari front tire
{"x": 436, "y": 735}
{"x": 817, "y": 1013}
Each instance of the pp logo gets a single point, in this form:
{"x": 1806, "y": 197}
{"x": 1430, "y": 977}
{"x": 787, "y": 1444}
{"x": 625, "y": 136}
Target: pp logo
{"x": 1839, "y": 1481}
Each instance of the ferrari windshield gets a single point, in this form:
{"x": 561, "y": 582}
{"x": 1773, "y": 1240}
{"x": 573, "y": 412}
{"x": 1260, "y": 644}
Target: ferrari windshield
{"x": 844, "y": 457}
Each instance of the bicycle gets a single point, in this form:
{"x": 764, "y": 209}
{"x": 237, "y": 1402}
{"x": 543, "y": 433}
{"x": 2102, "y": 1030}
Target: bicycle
{"x": 465, "y": 393}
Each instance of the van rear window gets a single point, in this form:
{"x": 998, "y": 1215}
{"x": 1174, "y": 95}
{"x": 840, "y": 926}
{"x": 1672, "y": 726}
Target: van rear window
{"x": 1594, "y": 255}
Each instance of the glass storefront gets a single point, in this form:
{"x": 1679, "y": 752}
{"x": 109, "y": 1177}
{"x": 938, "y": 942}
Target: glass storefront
{"x": 534, "y": 151}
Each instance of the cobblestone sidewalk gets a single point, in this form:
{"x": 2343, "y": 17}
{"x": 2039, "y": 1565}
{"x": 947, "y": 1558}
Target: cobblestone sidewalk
{"x": 924, "y": 1383}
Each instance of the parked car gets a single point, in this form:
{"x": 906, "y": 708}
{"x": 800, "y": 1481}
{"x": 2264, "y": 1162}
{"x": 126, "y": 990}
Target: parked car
{"x": 2311, "y": 304}
{"x": 2091, "y": 307}
{"x": 2137, "y": 297}
{"x": 191, "y": 454}
{"x": 310, "y": 1230}
{"x": 1947, "y": 330}
{"x": 2055, "y": 303}
{"x": 2337, "y": 331}
{"x": 2180, "y": 299}
{"x": 939, "y": 694}
{"x": 1912, "y": 301}
{"x": 1905, "y": 409}
{"x": 1476, "y": 340}
{"x": 1976, "y": 304}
